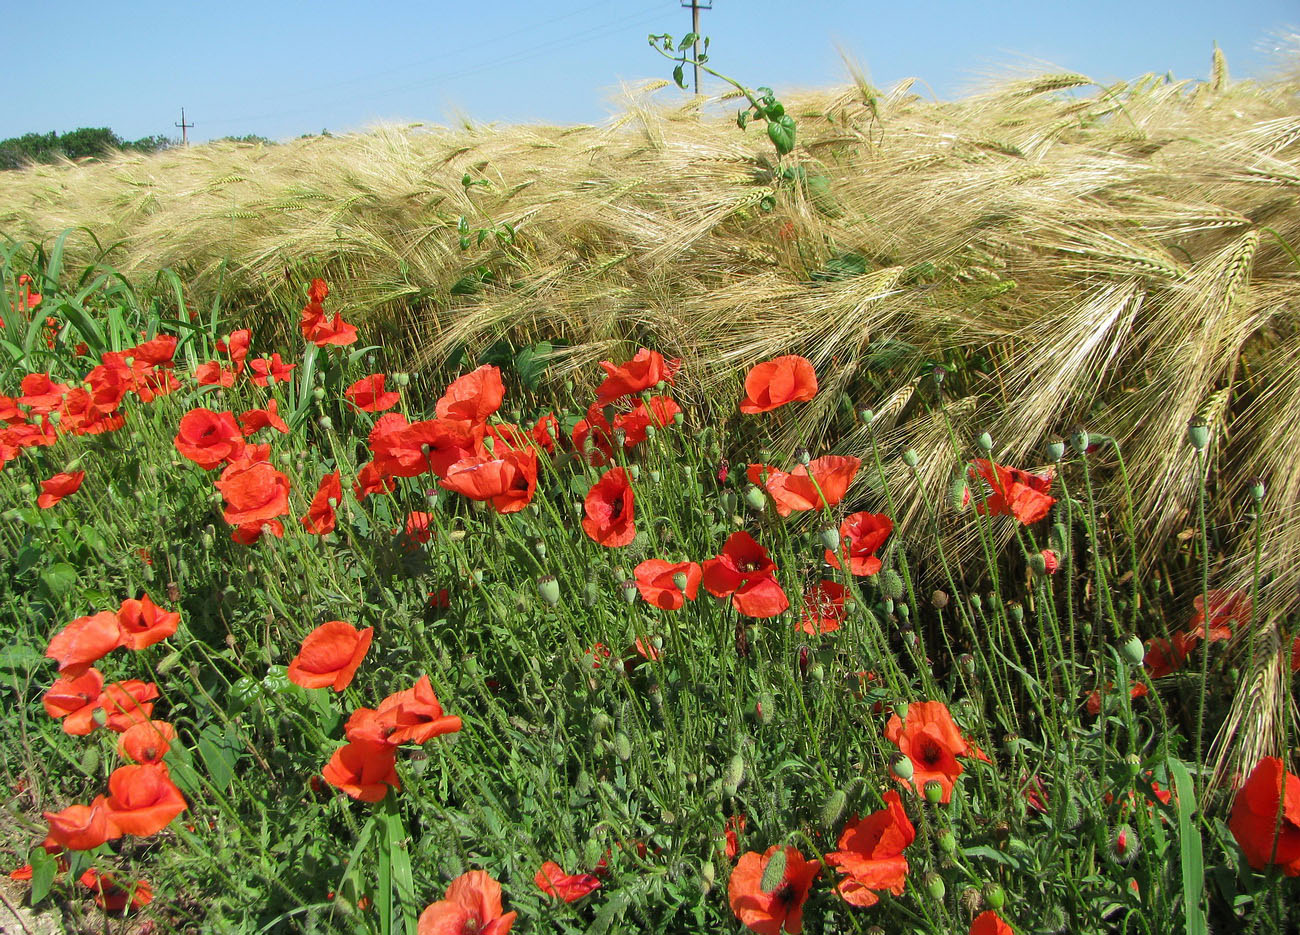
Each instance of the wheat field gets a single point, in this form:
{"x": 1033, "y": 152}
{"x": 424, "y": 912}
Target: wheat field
{"x": 1120, "y": 258}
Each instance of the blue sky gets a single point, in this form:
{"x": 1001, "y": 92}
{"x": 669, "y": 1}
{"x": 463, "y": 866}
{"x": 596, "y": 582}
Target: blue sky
{"x": 280, "y": 69}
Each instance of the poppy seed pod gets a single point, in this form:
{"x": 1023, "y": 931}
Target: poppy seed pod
{"x": 1133, "y": 765}
{"x": 1198, "y": 434}
{"x": 549, "y": 589}
{"x": 318, "y": 393}
{"x": 1055, "y": 450}
{"x": 910, "y": 458}
{"x": 967, "y": 663}
{"x": 994, "y": 895}
{"x": 830, "y": 538}
{"x": 934, "y": 792}
{"x": 755, "y": 498}
{"x": 1256, "y": 490}
{"x": 948, "y": 842}
{"x": 901, "y": 766}
{"x": 1132, "y": 650}
{"x": 629, "y": 590}
{"x": 934, "y": 885}
{"x": 402, "y": 379}
{"x": 939, "y": 600}
{"x": 985, "y": 442}
{"x": 867, "y": 416}
{"x": 1079, "y": 440}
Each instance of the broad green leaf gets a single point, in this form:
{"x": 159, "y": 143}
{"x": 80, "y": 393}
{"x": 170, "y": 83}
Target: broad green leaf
{"x": 1189, "y": 843}
{"x": 59, "y": 578}
{"x": 781, "y": 132}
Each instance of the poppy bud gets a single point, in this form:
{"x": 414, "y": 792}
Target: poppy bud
{"x": 933, "y": 792}
{"x": 326, "y": 423}
{"x": 1055, "y": 450}
{"x": 755, "y": 498}
{"x": 318, "y": 393}
{"x": 803, "y": 661}
{"x": 830, "y": 538}
{"x": 967, "y": 662}
{"x": 957, "y": 493}
{"x": 934, "y": 885}
{"x": 1198, "y": 434}
{"x": 404, "y": 379}
{"x": 774, "y": 872}
{"x": 817, "y": 672}
{"x": 734, "y": 774}
{"x": 678, "y": 418}
{"x": 994, "y": 895}
{"x": 540, "y": 549}
{"x": 765, "y": 708}
{"x": 867, "y": 416}
{"x": 549, "y": 589}
{"x": 99, "y": 716}
{"x": 939, "y": 600}
{"x": 948, "y": 842}
{"x": 707, "y": 876}
{"x": 1124, "y": 845}
{"x": 629, "y": 591}
{"x": 55, "y": 417}
{"x": 891, "y": 584}
{"x": 601, "y": 723}
{"x": 654, "y": 476}
{"x": 985, "y": 442}
{"x": 1256, "y": 490}
{"x": 1132, "y": 650}
{"x": 901, "y": 766}
{"x": 833, "y": 809}
{"x": 90, "y": 758}
{"x": 910, "y": 458}
{"x": 1079, "y": 440}
{"x": 622, "y": 746}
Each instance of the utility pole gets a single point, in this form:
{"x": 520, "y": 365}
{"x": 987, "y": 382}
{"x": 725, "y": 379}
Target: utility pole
{"x": 185, "y": 137}
{"x": 696, "y": 6}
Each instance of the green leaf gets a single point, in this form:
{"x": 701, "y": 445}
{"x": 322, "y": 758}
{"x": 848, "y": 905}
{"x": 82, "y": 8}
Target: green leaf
{"x": 679, "y": 76}
{"x": 742, "y": 119}
{"x": 1191, "y": 864}
{"x": 530, "y": 363}
{"x": 59, "y": 579}
{"x": 219, "y": 755}
{"x": 688, "y": 40}
{"x": 44, "y": 868}
{"x": 781, "y": 132}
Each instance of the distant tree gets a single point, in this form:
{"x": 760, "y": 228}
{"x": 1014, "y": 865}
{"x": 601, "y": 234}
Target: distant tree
{"x": 246, "y": 138}
{"x": 89, "y": 141}
{"x": 82, "y": 143}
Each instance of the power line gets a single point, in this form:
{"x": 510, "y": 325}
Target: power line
{"x": 185, "y": 136}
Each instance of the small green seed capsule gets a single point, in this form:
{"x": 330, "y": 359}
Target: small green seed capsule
{"x": 707, "y": 876}
{"x": 934, "y": 885}
{"x": 933, "y": 792}
{"x": 1080, "y": 441}
{"x": 635, "y": 471}
{"x": 654, "y": 476}
{"x": 910, "y": 458}
{"x": 402, "y": 379}
{"x": 90, "y": 758}
{"x": 100, "y": 717}
{"x": 1016, "y": 611}
{"x": 1133, "y": 765}
{"x": 994, "y": 895}
{"x": 1198, "y": 434}
{"x": 774, "y": 872}
{"x": 755, "y": 498}
{"x": 948, "y": 843}
{"x": 985, "y": 442}
{"x": 629, "y": 591}
{"x": 1055, "y": 450}
{"x": 1256, "y": 490}
{"x": 1132, "y": 650}
{"x": 680, "y": 581}
{"x": 867, "y": 416}
{"x": 318, "y": 393}
{"x": 549, "y": 589}
{"x": 901, "y": 766}
{"x": 830, "y": 537}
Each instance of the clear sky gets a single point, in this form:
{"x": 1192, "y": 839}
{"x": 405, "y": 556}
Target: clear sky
{"x": 280, "y": 69}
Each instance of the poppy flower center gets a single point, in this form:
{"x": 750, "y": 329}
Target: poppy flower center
{"x": 785, "y": 894}
{"x": 930, "y": 753}
{"x": 616, "y": 509}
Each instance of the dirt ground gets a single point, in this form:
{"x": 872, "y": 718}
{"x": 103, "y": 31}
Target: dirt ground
{"x": 17, "y": 919}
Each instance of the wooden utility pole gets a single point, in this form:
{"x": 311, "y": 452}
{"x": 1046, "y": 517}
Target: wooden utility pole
{"x": 696, "y": 6}
{"x": 185, "y": 137}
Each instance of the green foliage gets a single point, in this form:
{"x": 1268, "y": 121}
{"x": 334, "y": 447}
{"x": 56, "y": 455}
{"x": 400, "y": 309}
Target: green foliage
{"x": 82, "y": 143}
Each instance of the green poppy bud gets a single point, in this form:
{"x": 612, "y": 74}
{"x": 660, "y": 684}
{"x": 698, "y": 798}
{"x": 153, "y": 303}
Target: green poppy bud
{"x": 622, "y": 746}
{"x": 833, "y": 809}
{"x": 891, "y": 584}
{"x": 629, "y": 591}
{"x": 734, "y": 774}
{"x": 318, "y": 393}
{"x": 933, "y": 792}
{"x": 901, "y": 766}
{"x": 1198, "y": 434}
{"x": 755, "y": 498}
{"x": 654, "y": 476}
{"x": 910, "y": 458}
{"x": 985, "y": 442}
{"x": 774, "y": 872}
{"x": 765, "y": 708}
{"x": 549, "y": 589}
{"x": 830, "y": 538}
{"x": 994, "y": 895}
{"x": 707, "y": 877}
{"x": 90, "y": 758}
{"x": 948, "y": 843}
{"x": 601, "y": 723}
{"x": 1055, "y": 450}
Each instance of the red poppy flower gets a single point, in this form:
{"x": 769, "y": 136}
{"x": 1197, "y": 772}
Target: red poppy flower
{"x": 146, "y": 741}
{"x": 734, "y": 828}
{"x": 319, "y": 328}
{"x": 58, "y": 487}
{"x": 320, "y": 518}
{"x": 370, "y": 479}
{"x": 644, "y": 371}
{"x": 553, "y": 881}
{"x": 473, "y": 397}
{"x": 610, "y": 509}
{"x": 656, "y": 580}
{"x": 932, "y": 741}
{"x": 1229, "y": 609}
{"x": 364, "y": 724}
{"x": 822, "y": 483}
{"x": 143, "y": 799}
{"x": 236, "y": 345}
{"x": 158, "y": 351}
{"x": 255, "y": 419}
{"x": 744, "y": 572}
{"x": 209, "y": 438}
{"x": 318, "y": 290}
{"x": 660, "y": 412}
{"x": 1265, "y": 817}
{"x": 782, "y": 380}
{"x": 363, "y": 770}
{"x": 368, "y": 394}
{"x": 1162, "y": 657}
{"x": 330, "y": 656}
{"x": 75, "y": 700}
{"x": 507, "y": 482}
{"x": 823, "y": 610}
{"x": 1051, "y": 562}
{"x": 254, "y": 493}
{"x": 415, "y": 715}
{"x": 546, "y": 432}
{"x": 593, "y": 437}
{"x": 1093, "y": 702}
{"x": 127, "y": 703}
{"x": 1013, "y": 492}
{"x": 84, "y": 641}
{"x": 990, "y": 923}
{"x": 251, "y": 533}
{"x": 113, "y": 898}
{"x": 41, "y": 394}
{"x": 431, "y": 446}
{"x": 861, "y": 534}
{"x": 472, "y": 907}
{"x": 782, "y": 908}
{"x": 82, "y": 827}
{"x": 109, "y": 385}
{"x": 870, "y": 853}
{"x": 212, "y": 373}
{"x": 268, "y": 370}
{"x": 143, "y": 623}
